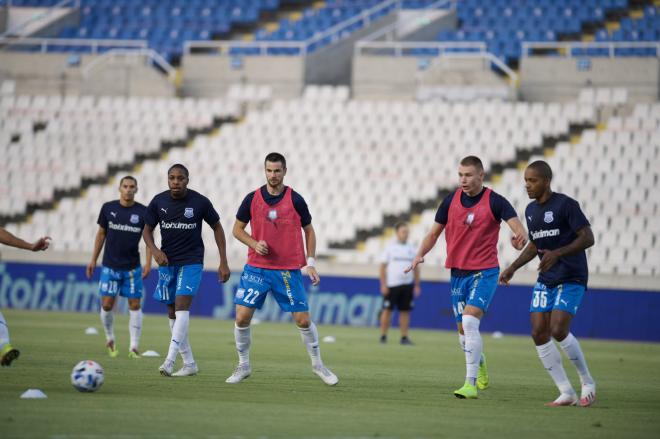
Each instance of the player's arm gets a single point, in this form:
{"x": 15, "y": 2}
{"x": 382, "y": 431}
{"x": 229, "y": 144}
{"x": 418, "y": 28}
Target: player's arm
{"x": 525, "y": 256}
{"x": 519, "y": 238}
{"x": 418, "y": 286}
{"x": 382, "y": 274}
{"x": 261, "y": 247}
{"x": 427, "y": 244}
{"x": 158, "y": 254}
{"x": 221, "y": 242}
{"x": 8, "y": 238}
{"x": 147, "y": 263}
{"x": 98, "y": 245}
{"x": 310, "y": 244}
{"x": 584, "y": 240}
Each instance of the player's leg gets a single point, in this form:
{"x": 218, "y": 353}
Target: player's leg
{"x": 569, "y": 297}
{"x": 250, "y": 296}
{"x": 188, "y": 279}
{"x": 404, "y": 303}
{"x": 132, "y": 289}
{"x": 386, "y": 316}
{"x": 540, "y": 307}
{"x": 7, "y": 352}
{"x": 109, "y": 287}
{"x": 310, "y": 338}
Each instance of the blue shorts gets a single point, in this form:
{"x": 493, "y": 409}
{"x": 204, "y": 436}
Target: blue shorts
{"x": 177, "y": 280}
{"x": 286, "y": 285}
{"x": 126, "y": 283}
{"x": 476, "y": 289}
{"x": 564, "y": 297}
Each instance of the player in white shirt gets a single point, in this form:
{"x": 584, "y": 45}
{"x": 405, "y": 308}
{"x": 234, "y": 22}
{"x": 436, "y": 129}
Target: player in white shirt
{"x": 397, "y": 287}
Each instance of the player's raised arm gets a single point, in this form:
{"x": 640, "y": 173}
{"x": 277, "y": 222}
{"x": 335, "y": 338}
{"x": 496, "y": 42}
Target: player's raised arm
{"x": 310, "y": 243}
{"x": 14, "y": 241}
{"x": 527, "y": 255}
{"x": 427, "y": 244}
{"x": 519, "y": 238}
{"x": 98, "y": 245}
{"x": 221, "y": 242}
{"x": 584, "y": 240}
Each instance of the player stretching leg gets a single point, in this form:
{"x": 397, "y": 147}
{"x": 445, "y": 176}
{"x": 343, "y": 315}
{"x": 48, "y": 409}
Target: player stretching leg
{"x": 120, "y": 227}
{"x": 179, "y": 212}
{"x": 559, "y": 234}
{"x": 275, "y": 256}
{"x": 8, "y": 353}
{"x": 471, "y": 219}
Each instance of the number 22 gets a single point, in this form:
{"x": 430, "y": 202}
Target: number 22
{"x": 251, "y": 294}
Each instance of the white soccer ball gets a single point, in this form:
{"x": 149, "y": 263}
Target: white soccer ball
{"x": 87, "y": 376}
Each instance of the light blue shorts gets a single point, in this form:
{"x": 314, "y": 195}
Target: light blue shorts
{"x": 126, "y": 283}
{"x": 177, "y": 280}
{"x": 564, "y": 297}
{"x": 477, "y": 289}
{"x": 286, "y": 285}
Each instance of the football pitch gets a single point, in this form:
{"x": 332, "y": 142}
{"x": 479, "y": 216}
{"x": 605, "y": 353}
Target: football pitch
{"x": 385, "y": 391}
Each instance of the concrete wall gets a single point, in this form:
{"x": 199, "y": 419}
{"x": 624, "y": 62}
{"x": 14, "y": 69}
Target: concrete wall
{"x": 212, "y": 75}
{"x": 50, "y": 73}
{"x": 333, "y": 64}
{"x": 560, "y": 79}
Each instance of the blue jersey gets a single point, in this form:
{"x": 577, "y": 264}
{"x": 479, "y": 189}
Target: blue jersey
{"x": 180, "y": 221}
{"x": 555, "y": 224}
{"x": 501, "y": 208}
{"x": 299, "y": 204}
{"x": 123, "y": 231}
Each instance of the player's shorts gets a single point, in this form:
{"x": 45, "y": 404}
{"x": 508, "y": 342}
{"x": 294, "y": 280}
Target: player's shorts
{"x": 177, "y": 280}
{"x": 564, "y": 297}
{"x": 399, "y": 297}
{"x": 285, "y": 285}
{"x": 476, "y": 289}
{"x": 126, "y": 283}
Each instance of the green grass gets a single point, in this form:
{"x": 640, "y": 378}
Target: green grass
{"x": 385, "y": 391}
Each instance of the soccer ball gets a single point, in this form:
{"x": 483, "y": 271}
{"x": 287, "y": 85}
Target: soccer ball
{"x": 87, "y": 376}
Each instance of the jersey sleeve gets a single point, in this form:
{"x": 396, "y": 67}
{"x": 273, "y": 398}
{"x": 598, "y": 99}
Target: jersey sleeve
{"x": 576, "y": 218}
{"x": 501, "y": 208}
{"x": 301, "y": 207}
{"x": 151, "y": 214}
{"x": 442, "y": 215}
{"x": 243, "y": 214}
{"x": 211, "y": 215}
{"x": 103, "y": 219}
{"x": 385, "y": 256}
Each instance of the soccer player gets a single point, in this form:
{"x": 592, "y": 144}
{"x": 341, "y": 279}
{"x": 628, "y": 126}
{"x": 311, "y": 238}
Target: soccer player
{"x": 559, "y": 234}
{"x": 120, "y": 229}
{"x": 275, "y": 256}
{"x": 179, "y": 212}
{"x": 471, "y": 218}
{"x": 8, "y": 353}
{"x": 396, "y": 286}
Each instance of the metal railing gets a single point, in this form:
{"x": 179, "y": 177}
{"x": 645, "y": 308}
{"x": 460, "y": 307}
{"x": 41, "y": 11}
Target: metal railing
{"x": 585, "y": 49}
{"x": 136, "y": 55}
{"x": 44, "y": 44}
{"x": 391, "y": 31}
{"x": 39, "y": 16}
{"x": 414, "y": 48}
{"x": 330, "y": 35}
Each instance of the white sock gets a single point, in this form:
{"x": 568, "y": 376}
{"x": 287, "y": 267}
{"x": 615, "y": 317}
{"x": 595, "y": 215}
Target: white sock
{"x": 473, "y": 347}
{"x": 179, "y": 336}
{"x": 184, "y": 347}
{"x": 243, "y": 339}
{"x": 135, "y": 327}
{"x": 4, "y": 331}
{"x": 551, "y": 359}
{"x": 107, "y": 320}
{"x": 310, "y": 337}
{"x": 461, "y": 341}
{"x": 571, "y": 348}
